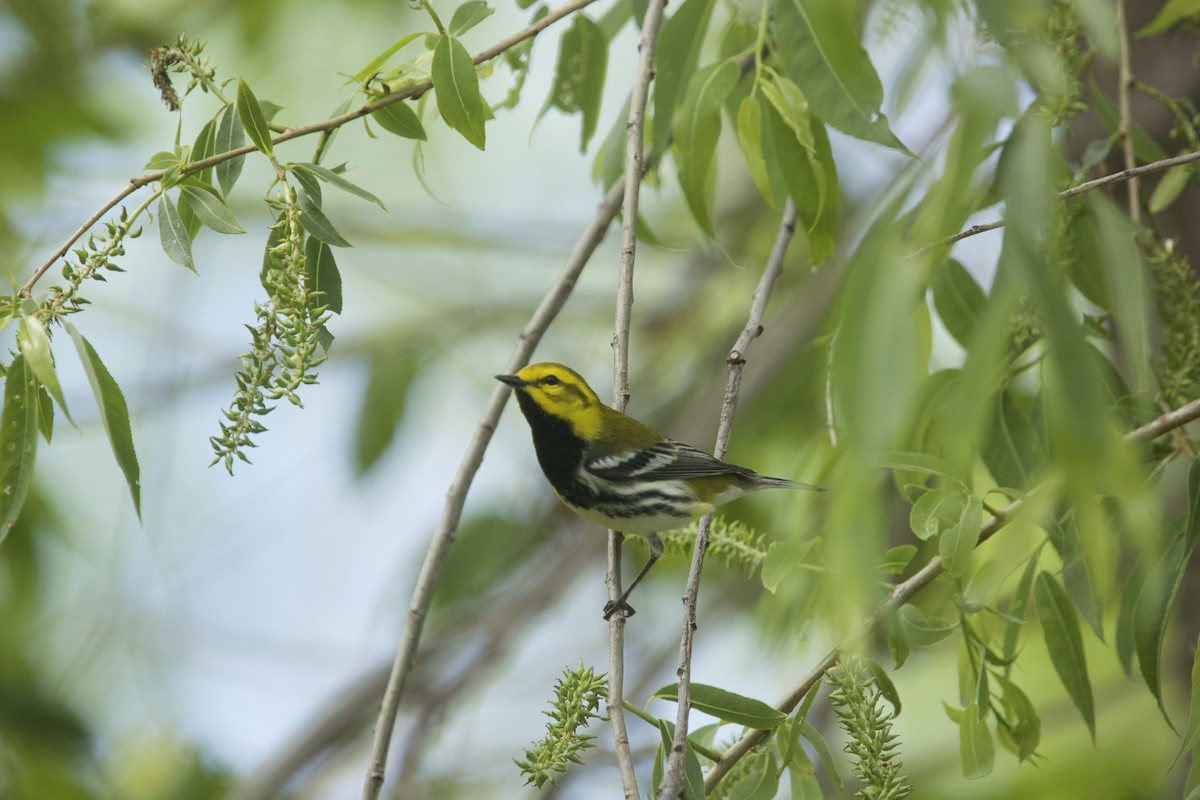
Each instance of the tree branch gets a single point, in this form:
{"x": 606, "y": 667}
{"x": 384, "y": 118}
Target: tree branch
{"x": 1116, "y": 177}
{"x": 673, "y": 778}
{"x": 635, "y": 167}
{"x": 547, "y": 310}
{"x": 903, "y": 592}
{"x": 415, "y": 90}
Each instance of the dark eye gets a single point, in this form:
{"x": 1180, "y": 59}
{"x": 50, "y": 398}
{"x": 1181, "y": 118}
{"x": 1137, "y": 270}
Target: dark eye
{"x": 551, "y": 380}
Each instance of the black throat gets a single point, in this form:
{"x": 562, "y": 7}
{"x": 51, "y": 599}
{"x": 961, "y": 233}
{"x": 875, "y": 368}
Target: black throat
{"x": 559, "y": 450}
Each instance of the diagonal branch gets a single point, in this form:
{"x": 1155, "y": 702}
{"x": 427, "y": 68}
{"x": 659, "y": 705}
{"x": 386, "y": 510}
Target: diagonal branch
{"x": 416, "y": 89}
{"x": 905, "y": 591}
{"x": 635, "y": 166}
{"x": 547, "y": 310}
{"x": 1129, "y": 174}
{"x": 673, "y": 779}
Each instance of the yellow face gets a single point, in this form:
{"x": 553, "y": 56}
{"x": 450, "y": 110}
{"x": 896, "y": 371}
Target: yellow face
{"x": 561, "y": 392}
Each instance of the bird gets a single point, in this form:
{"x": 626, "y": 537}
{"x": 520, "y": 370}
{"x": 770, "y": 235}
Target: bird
{"x": 615, "y": 471}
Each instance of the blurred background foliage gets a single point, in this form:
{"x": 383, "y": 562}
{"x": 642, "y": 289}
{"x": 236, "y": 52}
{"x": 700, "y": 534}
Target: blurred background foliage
{"x": 235, "y": 642}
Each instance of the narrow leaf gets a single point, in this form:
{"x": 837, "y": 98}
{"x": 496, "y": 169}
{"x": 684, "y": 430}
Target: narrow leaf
{"x": 935, "y": 511}
{"x": 1060, "y": 627}
{"x": 1169, "y": 187}
{"x": 579, "y": 75}
{"x": 1191, "y": 736}
{"x": 958, "y": 542}
{"x": 456, "y": 85}
{"x": 210, "y": 208}
{"x": 975, "y": 747}
{"x": 921, "y": 630}
{"x": 957, "y": 298}
{"x": 697, "y": 127}
{"x": 173, "y": 234}
{"x": 400, "y": 119}
{"x": 18, "y": 441}
{"x": 814, "y": 737}
{"x": 468, "y": 15}
{"x": 251, "y": 115}
{"x": 675, "y": 58}
{"x": 1012, "y": 450}
{"x": 727, "y": 706}
{"x": 1173, "y": 12}
{"x": 792, "y": 106}
{"x": 917, "y": 462}
{"x": 759, "y": 781}
{"x": 316, "y": 223}
{"x": 693, "y": 776}
{"x": 113, "y": 412}
{"x": 331, "y": 177}
{"x": 749, "y": 135}
{"x": 1022, "y": 716}
{"x": 45, "y": 414}
{"x": 230, "y": 136}
{"x": 33, "y": 340}
{"x": 323, "y": 274}
{"x": 1157, "y": 597}
{"x": 820, "y": 51}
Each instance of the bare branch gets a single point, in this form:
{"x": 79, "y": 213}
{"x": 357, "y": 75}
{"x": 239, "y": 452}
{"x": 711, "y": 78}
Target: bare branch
{"x": 673, "y": 777}
{"x": 635, "y": 167}
{"x": 905, "y": 591}
{"x": 417, "y": 89}
{"x": 456, "y": 497}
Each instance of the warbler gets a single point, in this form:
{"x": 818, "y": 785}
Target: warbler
{"x": 614, "y": 471}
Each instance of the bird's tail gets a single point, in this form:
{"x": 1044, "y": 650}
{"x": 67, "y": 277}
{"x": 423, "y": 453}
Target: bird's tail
{"x": 763, "y": 482}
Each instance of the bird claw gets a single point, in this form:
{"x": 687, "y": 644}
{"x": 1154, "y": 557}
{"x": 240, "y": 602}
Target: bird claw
{"x": 612, "y": 606}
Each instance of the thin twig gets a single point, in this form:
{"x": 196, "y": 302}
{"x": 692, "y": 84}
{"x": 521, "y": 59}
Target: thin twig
{"x": 1104, "y": 180}
{"x": 416, "y": 89}
{"x": 546, "y": 311}
{"x": 673, "y": 777}
{"x": 1124, "y": 122}
{"x": 635, "y": 167}
{"x": 905, "y": 591}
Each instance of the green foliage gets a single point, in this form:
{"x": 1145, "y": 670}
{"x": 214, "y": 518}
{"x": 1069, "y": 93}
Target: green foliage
{"x": 857, "y": 701}
{"x": 577, "y": 697}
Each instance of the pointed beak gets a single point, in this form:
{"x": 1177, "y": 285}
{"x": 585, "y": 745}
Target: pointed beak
{"x": 511, "y": 380}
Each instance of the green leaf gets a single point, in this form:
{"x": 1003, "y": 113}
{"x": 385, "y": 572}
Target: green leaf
{"x": 400, "y": 119}
{"x": 33, "y": 340}
{"x": 163, "y": 160}
{"x": 456, "y": 85}
{"x": 230, "y": 136}
{"x": 210, "y": 208}
{"x": 750, "y": 140}
{"x": 468, "y": 15}
{"x": 758, "y": 780}
{"x": 331, "y": 177}
{"x": 896, "y": 560}
{"x": 816, "y": 42}
{"x": 693, "y": 776}
{"x": 958, "y": 542}
{"x": 727, "y": 706}
{"x": 371, "y": 70}
{"x": 45, "y": 414}
{"x": 1012, "y": 450}
{"x": 802, "y": 779}
{"x": 1173, "y": 12}
{"x": 251, "y": 115}
{"x": 921, "y": 630}
{"x": 113, "y": 413}
{"x": 1191, "y": 736}
{"x": 1169, "y": 187}
{"x": 936, "y": 511}
{"x": 316, "y": 223}
{"x": 1060, "y": 627}
{"x": 821, "y": 747}
{"x": 792, "y": 106}
{"x": 883, "y": 682}
{"x": 1020, "y": 607}
{"x": 173, "y": 234}
{"x": 322, "y": 274}
{"x": 957, "y": 298}
{"x": 782, "y": 559}
{"x": 975, "y": 747}
{"x": 18, "y": 441}
{"x": 1026, "y": 725}
{"x": 579, "y": 76}
{"x": 675, "y": 57}
{"x": 811, "y": 180}
{"x": 1130, "y": 293}
{"x": 917, "y": 462}
{"x": 205, "y": 146}
{"x": 697, "y": 127}
{"x": 1157, "y": 597}
{"x": 391, "y": 372}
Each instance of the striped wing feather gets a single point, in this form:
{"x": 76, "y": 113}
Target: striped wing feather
{"x": 666, "y": 460}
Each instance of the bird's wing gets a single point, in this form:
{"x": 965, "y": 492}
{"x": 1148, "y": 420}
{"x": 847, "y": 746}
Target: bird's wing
{"x": 665, "y": 460}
